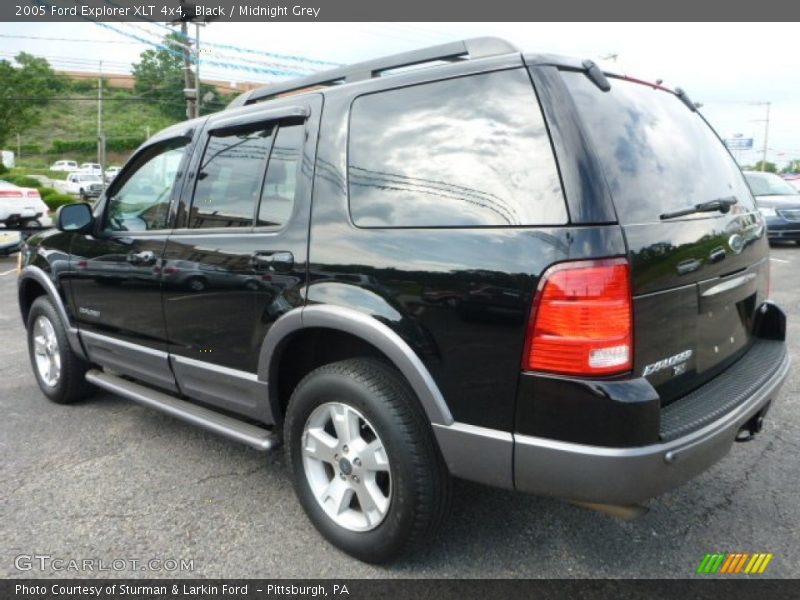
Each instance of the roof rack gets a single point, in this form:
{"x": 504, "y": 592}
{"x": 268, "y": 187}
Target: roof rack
{"x": 473, "y": 48}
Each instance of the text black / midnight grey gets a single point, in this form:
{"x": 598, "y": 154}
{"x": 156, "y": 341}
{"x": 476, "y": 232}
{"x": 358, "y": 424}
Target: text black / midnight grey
{"x": 511, "y": 268}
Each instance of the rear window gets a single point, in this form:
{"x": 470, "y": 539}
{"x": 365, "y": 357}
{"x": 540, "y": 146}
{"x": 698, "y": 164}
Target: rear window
{"x": 466, "y": 152}
{"x": 657, "y": 155}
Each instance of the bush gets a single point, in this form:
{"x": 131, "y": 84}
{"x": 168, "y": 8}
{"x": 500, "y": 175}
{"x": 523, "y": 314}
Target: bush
{"x": 3, "y": 168}
{"x": 54, "y": 198}
{"x": 23, "y": 181}
{"x": 118, "y": 144}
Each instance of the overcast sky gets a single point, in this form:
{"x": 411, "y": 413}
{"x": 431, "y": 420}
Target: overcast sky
{"x": 726, "y": 67}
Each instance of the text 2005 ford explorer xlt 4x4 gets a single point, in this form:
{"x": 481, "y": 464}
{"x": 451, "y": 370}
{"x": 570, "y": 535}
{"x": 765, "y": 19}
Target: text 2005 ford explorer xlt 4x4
{"x": 511, "y": 268}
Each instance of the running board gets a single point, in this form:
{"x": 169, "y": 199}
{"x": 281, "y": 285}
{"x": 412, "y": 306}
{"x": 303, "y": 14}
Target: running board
{"x": 252, "y": 435}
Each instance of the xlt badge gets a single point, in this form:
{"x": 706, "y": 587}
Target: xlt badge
{"x": 672, "y": 361}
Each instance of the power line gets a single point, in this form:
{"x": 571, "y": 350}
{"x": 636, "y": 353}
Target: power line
{"x": 62, "y": 39}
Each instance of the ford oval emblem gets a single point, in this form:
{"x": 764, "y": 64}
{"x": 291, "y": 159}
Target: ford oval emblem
{"x": 736, "y": 242}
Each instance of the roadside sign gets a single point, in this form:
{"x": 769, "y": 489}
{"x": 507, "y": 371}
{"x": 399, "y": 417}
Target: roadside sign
{"x": 739, "y": 143}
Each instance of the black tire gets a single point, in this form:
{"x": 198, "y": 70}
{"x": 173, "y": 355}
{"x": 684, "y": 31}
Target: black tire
{"x": 71, "y": 385}
{"x": 196, "y": 284}
{"x": 420, "y": 482}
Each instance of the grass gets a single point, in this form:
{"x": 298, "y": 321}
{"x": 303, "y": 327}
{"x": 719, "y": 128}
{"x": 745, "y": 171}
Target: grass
{"x": 123, "y": 117}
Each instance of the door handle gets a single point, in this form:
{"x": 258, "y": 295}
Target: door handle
{"x": 145, "y": 257}
{"x": 281, "y": 262}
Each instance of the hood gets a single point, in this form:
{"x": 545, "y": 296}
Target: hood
{"x": 792, "y": 201}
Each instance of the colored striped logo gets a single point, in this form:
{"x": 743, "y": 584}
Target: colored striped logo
{"x": 731, "y": 563}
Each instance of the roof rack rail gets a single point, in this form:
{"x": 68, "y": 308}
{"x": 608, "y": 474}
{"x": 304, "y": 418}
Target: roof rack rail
{"x": 473, "y": 48}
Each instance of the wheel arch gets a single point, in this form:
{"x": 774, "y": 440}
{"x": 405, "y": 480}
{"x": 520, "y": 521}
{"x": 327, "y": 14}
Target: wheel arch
{"x": 357, "y": 329}
{"x": 33, "y": 283}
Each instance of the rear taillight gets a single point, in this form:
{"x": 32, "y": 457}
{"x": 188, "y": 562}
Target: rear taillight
{"x": 10, "y": 194}
{"x": 581, "y": 322}
{"x": 32, "y": 194}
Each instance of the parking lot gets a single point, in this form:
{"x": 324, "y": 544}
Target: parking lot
{"x": 108, "y": 479}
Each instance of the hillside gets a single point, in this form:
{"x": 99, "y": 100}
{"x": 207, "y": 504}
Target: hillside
{"x": 68, "y": 126}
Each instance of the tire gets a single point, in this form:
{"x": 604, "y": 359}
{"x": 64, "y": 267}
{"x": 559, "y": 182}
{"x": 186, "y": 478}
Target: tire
{"x": 196, "y": 284}
{"x": 69, "y": 385}
{"x": 416, "y": 485}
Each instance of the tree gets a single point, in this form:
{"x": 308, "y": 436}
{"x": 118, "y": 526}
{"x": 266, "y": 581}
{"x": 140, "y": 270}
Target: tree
{"x": 24, "y": 90}
{"x": 769, "y": 167}
{"x": 792, "y": 167}
{"x": 158, "y": 76}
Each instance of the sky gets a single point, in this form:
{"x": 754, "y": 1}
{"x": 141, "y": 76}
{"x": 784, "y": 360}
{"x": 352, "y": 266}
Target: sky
{"x": 732, "y": 69}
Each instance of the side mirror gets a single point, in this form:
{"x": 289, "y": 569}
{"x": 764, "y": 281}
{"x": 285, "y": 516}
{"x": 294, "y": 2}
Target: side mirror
{"x": 74, "y": 217}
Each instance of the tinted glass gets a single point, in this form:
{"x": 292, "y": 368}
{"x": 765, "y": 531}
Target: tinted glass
{"x": 277, "y": 196}
{"x": 142, "y": 201}
{"x": 658, "y": 156}
{"x": 230, "y": 177}
{"x": 471, "y": 151}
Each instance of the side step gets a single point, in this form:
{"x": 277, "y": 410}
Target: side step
{"x": 252, "y": 435}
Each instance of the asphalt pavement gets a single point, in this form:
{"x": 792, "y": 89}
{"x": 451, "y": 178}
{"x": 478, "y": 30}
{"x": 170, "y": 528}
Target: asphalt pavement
{"x": 107, "y": 480}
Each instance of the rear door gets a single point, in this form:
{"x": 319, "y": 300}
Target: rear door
{"x": 238, "y": 261}
{"x": 697, "y": 278}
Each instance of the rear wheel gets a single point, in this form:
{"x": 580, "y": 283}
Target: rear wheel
{"x": 366, "y": 467}
{"x": 58, "y": 370}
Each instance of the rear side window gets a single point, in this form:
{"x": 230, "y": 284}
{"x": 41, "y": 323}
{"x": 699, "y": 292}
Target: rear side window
{"x": 229, "y": 181}
{"x": 466, "y": 152}
{"x": 277, "y": 196}
{"x": 657, "y": 155}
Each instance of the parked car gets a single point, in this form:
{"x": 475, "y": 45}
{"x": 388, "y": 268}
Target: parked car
{"x": 628, "y": 336}
{"x": 84, "y": 185}
{"x": 64, "y": 165}
{"x": 22, "y": 207}
{"x": 111, "y": 173}
{"x": 10, "y": 241}
{"x": 779, "y": 203}
{"x": 93, "y": 168}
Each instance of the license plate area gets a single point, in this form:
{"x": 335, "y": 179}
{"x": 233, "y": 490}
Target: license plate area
{"x": 725, "y": 316}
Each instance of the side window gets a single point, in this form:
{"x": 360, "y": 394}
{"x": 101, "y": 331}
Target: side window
{"x": 142, "y": 201}
{"x": 278, "y": 194}
{"x": 230, "y": 177}
{"x": 465, "y": 152}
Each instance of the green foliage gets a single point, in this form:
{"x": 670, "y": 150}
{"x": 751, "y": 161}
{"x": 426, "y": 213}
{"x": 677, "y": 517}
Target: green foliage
{"x": 769, "y": 167}
{"x": 792, "y": 167}
{"x": 54, "y": 199}
{"x": 25, "y": 90}
{"x": 159, "y": 77}
{"x": 3, "y": 168}
{"x": 122, "y": 144}
{"x": 23, "y": 180}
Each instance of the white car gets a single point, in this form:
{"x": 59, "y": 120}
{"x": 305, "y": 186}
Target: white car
{"x": 64, "y": 165}
{"x": 22, "y": 207}
{"x": 85, "y": 185}
{"x": 112, "y": 172}
{"x": 93, "y": 168}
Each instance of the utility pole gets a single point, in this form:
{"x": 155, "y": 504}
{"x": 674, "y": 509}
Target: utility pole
{"x": 101, "y": 136}
{"x": 766, "y": 131}
{"x": 766, "y": 137}
{"x": 187, "y": 73}
{"x": 19, "y": 147}
{"x": 198, "y": 99}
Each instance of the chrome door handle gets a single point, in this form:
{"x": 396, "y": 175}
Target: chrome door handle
{"x": 282, "y": 262}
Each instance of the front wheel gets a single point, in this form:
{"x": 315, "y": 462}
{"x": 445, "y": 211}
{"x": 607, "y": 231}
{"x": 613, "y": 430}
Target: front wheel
{"x": 366, "y": 467}
{"x": 58, "y": 370}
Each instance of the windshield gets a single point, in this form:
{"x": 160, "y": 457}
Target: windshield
{"x": 767, "y": 184}
{"x": 657, "y": 155}
{"x": 89, "y": 178}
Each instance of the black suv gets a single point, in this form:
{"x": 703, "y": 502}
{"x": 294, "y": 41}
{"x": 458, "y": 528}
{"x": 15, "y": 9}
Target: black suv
{"x": 515, "y": 269}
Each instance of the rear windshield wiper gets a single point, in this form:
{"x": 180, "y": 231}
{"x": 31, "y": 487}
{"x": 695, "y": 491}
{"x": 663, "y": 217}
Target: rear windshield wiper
{"x": 722, "y": 205}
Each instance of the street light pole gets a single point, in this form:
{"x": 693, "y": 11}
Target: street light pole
{"x": 101, "y": 136}
{"x": 766, "y": 137}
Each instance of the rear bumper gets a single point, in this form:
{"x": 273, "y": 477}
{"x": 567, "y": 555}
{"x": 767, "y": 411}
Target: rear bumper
{"x": 630, "y": 475}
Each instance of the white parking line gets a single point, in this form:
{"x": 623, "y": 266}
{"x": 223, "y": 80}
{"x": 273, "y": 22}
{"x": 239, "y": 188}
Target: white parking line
{"x": 780, "y": 260}
{"x": 8, "y": 272}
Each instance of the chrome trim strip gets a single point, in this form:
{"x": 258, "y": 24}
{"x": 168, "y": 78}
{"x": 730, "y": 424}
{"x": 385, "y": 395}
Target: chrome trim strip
{"x": 231, "y": 389}
{"x": 726, "y": 286}
{"x": 37, "y": 274}
{"x": 147, "y": 364}
{"x": 369, "y": 329}
{"x": 256, "y": 437}
{"x": 477, "y": 453}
